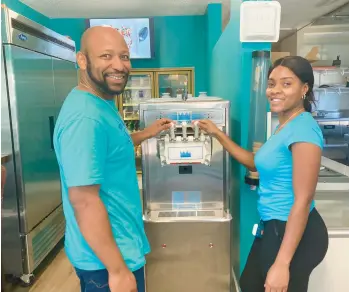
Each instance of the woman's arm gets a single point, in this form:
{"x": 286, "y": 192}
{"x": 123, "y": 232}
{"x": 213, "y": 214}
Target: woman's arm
{"x": 241, "y": 155}
{"x": 306, "y": 164}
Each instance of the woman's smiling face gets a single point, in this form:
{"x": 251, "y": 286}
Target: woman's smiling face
{"x": 285, "y": 90}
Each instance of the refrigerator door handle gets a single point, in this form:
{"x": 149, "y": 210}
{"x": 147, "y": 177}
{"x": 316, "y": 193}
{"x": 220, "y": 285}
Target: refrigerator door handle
{"x": 52, "y": 127}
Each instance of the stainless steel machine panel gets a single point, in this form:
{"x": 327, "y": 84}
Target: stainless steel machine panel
{"x": 205, "y": 187}
{"x": 186, "y": 199}
{"x": 336, "y": 138}
{"x": 65, "y": 79}
{"x": 32, "y": 103}
{"x": 189, "y": 257}
{"x": 22, "y": 32}
{"x": 39, "y": 71}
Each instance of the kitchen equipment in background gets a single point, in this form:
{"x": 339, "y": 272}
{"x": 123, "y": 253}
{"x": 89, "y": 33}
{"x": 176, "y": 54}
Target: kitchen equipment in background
{"x": 38, "y": 71}
{"x": 336, "y": 137}
{"x": 337, "y": 62}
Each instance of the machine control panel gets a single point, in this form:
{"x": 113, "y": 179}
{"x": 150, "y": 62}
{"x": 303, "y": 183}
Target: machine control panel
{"x": 185, "y": 143}
{"x": 215, "y": 115}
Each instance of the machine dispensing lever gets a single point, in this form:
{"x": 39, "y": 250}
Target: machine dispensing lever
{"x": 172, "y": 131}
{"x": 196, "y": 130}
{"x": 184, "y": 130}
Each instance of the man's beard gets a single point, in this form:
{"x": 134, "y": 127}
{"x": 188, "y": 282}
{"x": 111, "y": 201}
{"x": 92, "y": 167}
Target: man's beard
{"x": 103, "y": 85}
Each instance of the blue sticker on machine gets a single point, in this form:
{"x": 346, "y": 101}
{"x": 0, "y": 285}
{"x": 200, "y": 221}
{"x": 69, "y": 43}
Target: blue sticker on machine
{"x": 177, "y": 200}
{"x": 22, "y": 37}
{"x": 186, "y": 200}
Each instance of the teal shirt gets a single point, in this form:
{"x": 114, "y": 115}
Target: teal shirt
{"x": 94, "y": 147}
{"x": 274, "y": 165}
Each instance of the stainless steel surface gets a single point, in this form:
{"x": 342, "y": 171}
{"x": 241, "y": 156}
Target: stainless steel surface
{"x": 338, "y": 233}
{"x": 38, "y": 75}
{"x": 332, "y": 196}
{"x": 6, "y": 145}
{"x": 43, "y": 238}
{"x": 38, "y": 183}
{"x": 191, "y": 240}
{"x": 11, "y": 244}
{"x": 191, "y": 257}
{"x": 65, "y": 79}
{"x": 334, "y": 209}
{"x": 159, "y": 182}
{"x": 23, "y": 32}
{"x": 334, "y": 166}
{"x": 335, "y": 131}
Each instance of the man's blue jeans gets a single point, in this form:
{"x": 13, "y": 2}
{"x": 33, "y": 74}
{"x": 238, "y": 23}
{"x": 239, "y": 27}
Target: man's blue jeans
{"x": 97, "y": 281}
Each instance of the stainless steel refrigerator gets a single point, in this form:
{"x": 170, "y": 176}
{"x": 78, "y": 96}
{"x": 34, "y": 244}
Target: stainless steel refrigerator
{"x": 38, "y": 71}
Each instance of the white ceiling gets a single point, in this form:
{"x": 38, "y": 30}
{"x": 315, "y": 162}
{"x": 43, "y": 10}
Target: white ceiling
{"x": 295, "y": 13}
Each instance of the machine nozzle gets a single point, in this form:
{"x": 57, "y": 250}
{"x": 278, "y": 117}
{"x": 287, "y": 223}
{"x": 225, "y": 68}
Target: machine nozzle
{"x": 184, "y": 130}
{"x": 172, "y": 131}
{"x": 196, "y": 130}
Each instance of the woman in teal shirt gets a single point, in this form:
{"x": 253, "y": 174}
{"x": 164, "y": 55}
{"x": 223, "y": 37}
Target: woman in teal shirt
{"x": 295, "y": 238}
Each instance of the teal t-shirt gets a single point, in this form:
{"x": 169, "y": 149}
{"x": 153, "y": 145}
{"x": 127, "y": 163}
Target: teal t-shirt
{"x": 92, "y": 147}
{"x": 274, "y": 165}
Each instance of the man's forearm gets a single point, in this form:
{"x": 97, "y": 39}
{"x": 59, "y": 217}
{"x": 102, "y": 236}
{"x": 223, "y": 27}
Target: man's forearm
{"x": 139, "y": 137}
{"x": 94, "y": 224}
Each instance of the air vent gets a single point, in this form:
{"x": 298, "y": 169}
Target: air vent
{"x": 39, "y": 34}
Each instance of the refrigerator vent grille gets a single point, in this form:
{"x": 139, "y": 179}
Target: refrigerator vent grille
{"x": 47, "y": 238}
{"x": 39, "y": 34}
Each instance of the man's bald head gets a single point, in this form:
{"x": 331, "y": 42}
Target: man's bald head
{"x": 99, "y": 35}
{"x": 104, "y": 60}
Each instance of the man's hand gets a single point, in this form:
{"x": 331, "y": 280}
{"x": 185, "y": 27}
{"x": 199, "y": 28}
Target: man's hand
{"x": 122, "y": 281}
{"x": 157, "y": 127}
{"x": 151, "y": 131}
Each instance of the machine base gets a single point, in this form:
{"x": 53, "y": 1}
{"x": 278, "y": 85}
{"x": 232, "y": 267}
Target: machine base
{"x": 189, "y": 257}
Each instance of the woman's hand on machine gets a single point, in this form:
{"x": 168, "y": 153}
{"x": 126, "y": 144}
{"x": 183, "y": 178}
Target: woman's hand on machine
{"x": 209, "y": 127}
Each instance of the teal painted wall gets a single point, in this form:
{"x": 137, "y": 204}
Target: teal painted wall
{"x": 230, "y": 78}
{"x": 180, "y": 41}
{"x": 213, "y": 33}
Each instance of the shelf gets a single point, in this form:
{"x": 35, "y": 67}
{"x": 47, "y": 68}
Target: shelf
{"x": 331, "y": 70}
{"x": 131, "y": 119}
{"x": 130, "y": 104}
{"x": 337, "y": 90}
{"x": 138, "y": 88}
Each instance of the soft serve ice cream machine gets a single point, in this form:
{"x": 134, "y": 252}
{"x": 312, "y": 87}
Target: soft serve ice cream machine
{"x": 183, "y": 148}
{"x": 186, "y": 200}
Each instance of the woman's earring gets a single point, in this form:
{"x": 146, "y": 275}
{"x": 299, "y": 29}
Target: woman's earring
{"x": 304, "y": 96}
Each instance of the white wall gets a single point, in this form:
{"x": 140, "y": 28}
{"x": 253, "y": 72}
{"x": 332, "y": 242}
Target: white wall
{"x": 332, "y": 40}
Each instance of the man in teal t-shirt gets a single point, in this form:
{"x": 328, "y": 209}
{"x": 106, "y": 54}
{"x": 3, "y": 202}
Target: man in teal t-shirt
{"x": 104, "y": 239}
